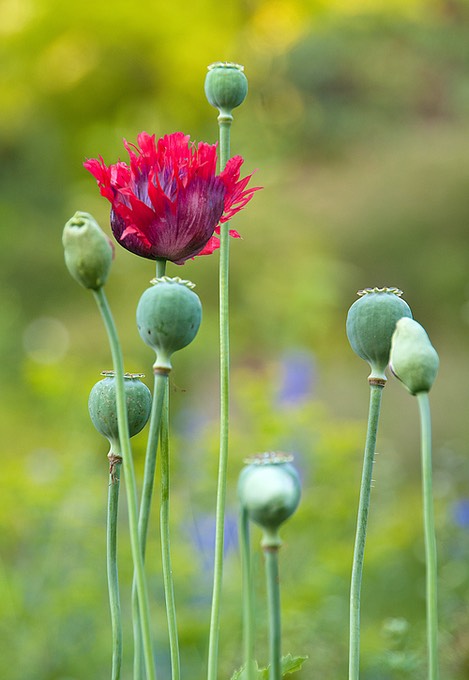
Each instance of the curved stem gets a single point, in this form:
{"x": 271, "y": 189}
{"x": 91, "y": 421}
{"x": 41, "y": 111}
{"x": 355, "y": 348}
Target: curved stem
{"x": 224, "y": 126}
{"x": 429, "y": 530}
{"x": 273, "y": 597}
{"x": 248, "y": 596}
{"x": 159, "y": 390}
{"x": 362, "y": 523}
{"x": 165, "y": 545}
{"x": 111, "y": 559}
{"x": 129, "y": 478}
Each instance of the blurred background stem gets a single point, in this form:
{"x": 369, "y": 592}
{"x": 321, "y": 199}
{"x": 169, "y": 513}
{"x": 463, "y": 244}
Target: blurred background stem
{"x": 273, "y": 596}
{"x": 248, "y": 595}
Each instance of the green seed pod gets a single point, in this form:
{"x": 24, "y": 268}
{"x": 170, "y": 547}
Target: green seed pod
{"x": 413, "y": 358}
{"x": 226, "y": 86}
{"x": 371, "y": 321}
{"x": 269, "y": 490}
{"x": 103, "y": 409}
{"x": 168, "y": 317}
{"x": 88, "y": 251}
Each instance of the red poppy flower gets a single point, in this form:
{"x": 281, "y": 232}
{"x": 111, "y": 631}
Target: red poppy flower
{"x": 169, "y": 201}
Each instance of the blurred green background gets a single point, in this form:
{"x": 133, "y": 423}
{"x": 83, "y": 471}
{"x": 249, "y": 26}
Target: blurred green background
{"x": 357, "y": 122}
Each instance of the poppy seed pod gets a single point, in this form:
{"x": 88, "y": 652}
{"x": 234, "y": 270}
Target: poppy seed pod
{"x": 269, "y": 490}
{"x": 168, "y": 317}
{"x": 88, "y": 251}
{"x": 103, "y": 409}
{"x": 371, "y": 321}
{"x": 226, "y": 86}
{"x": 414, "y": 360}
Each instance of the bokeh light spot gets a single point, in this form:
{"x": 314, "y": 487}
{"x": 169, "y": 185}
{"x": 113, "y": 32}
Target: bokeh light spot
{"x": 46, "y": 340}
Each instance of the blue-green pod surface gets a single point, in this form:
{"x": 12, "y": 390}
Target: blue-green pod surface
{"x": 414, "y": 360}
{"x": 168, "y": 317}
{"x": 269, "y": 490}
{"x": 88, "y": 251}
{"x": 226, "y": 86}
{"x": 103, "y": 409}
{"x": 371, "y": 321}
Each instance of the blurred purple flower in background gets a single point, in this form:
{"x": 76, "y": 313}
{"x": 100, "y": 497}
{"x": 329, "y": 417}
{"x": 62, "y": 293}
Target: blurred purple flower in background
{"x": 298, "y": 376}
{"x": 202, "y": 534}
{"x": 461, "y": 513}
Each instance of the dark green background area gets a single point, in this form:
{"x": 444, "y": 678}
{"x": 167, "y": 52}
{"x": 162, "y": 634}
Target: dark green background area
{"x": 357, "y": 124}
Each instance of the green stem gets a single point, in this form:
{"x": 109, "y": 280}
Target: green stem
{"x": 430, "y": 540}
{"x": 129, "y": 478}
{"x": 224, "y": 122}
{"x": 159, "y": 390}
{"x": 165, "y": 545}
{"x": 115, "y": 461}
{"x": 248, "y": 596}
{"x": 160, "y": 268}
{"x": 376, "y": 390}
{"x": 273, "y": 598}
{"x": 160, "y": 381}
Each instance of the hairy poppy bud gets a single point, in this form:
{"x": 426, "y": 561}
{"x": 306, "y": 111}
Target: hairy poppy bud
{"x": 88, "y": 251}
{"x": 371, "y": 321}
{"x": 168, "y": 317}
{"x": 269, "y": 490}
{"x": 413, "y": 358}
{"x": 103, "y": 409}
{"x": 226, "y": 86}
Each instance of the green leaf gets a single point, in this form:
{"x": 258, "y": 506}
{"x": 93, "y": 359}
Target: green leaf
{"x": 240, "y": 674}
{"x": 289, "y": 664}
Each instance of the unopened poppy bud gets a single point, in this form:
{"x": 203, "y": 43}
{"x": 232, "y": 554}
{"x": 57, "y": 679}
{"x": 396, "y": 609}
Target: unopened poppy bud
{"x": 102, "y": 405}
{"x": 226, "y": 86}
{"x": 371, "y": 321}
{"x": 414, "y": 360}
{"x": 88, "y": 251}
{"x": 168, "y": 318}
{"x": 269, "y": 491}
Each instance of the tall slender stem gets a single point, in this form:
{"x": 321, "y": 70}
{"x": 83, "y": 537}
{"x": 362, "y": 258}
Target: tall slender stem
{"x": 376, "y": 389}
{"x": 166, "y": 546}
{"x": 224, "y": 121}
{"x": 115, "y": 461}
{"x": 248, "y": 596}
{"x": 273, "y": 598}
{"x": 129, "y": 478}
{"x": 430, "y": 540}
{"x": 164, "y": 522}
{"x": 159, "y": 389}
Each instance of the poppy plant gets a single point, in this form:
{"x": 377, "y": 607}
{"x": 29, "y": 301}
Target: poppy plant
{"x": 168, "y": 203}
